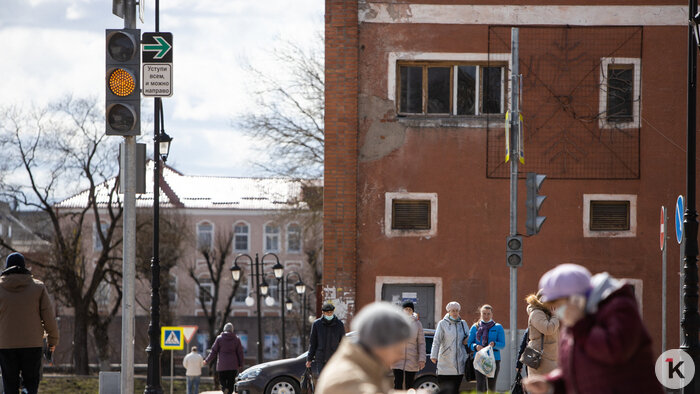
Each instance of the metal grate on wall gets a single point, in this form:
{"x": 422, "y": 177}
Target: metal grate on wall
{"x": 610, "y": 216}
{"x": 410, "y": 214}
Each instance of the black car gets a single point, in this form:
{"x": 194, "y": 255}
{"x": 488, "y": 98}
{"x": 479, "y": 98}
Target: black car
{"x": 284, "y": 376}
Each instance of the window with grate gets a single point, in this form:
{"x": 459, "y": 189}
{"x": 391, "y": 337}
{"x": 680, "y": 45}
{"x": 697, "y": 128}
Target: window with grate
{"x": 620, "y": 93}
{"x": 410, "y": 214}
{"x": 610, "y": 216}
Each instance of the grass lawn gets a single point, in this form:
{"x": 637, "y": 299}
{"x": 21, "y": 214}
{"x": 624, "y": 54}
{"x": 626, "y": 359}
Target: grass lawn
{"x": 90, "y": 385}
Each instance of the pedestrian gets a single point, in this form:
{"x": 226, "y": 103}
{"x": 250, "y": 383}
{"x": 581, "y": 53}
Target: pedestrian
{"x": 26, "y": 312}
{"x": 543, "y": 334}
{"x": 449, "y": 350}
{"x": 326, "y": 333}
{"x": 486, "y": 332}
{"x": 413, "y": 359}
{"x": 229, "y": 350}
{"x": 193, "y": 363}
{"x": 604, "y": 346}
{"x": 363, "y": 363}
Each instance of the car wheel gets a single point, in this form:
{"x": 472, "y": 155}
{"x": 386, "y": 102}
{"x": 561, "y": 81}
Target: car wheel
{"x": 283, "y": 385}
{"x": 428, "y": 383}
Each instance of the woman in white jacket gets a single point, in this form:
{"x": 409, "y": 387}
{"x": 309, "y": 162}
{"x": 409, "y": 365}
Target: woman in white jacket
{"x": 449, "y": 350}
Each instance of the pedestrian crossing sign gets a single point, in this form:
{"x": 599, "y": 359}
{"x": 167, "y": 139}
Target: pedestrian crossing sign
{"x": 171, "y": 338}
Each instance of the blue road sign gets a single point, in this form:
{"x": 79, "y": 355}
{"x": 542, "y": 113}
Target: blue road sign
{"x": 680, "y": 210}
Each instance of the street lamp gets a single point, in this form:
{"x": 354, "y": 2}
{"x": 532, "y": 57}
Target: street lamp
{"x": 164, "y": 141}
{"x": 691, "y": 319}
{"x": 289, "y": 305}
{"x": 299, "y": 286}
{"x": 257, "y": 266}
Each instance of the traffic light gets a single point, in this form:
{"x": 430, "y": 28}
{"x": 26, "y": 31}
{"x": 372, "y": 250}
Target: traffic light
{"x": 514, "y": 251}
{"x": 534, "y": 203}
{"x": 122, "y": 81}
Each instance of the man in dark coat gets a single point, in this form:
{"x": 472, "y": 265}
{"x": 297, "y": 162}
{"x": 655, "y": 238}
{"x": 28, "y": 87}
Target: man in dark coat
{"x": 326, "y": 333}
{"x": 604, "y": 347}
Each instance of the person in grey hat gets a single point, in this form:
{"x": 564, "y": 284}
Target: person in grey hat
{"x": 363, "y": 363}
{"x": 228, "y": 350}
{"x": 26, "y": 312}
{"x": 326, "y": 333}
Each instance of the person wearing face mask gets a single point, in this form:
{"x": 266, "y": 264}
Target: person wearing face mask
{"x": 326, "y": 333}
{"x": 449, "y": 351}
{"x": 486, "y": 332}
{"x": 604, "y": 346}
{"x": 362, "y": 363}
{"x": 543, "y": 334}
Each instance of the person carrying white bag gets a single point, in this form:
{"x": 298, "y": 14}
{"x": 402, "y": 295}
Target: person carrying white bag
{"x": 487, "y": 333}
{"x": 485, "y": 362}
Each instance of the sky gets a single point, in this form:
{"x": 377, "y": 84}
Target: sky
{"x": 51, "y": 48}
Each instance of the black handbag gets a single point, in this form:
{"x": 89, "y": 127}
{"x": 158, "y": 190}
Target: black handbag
{"x": 533, "y": 357}
{"x": 469, "y": 371}
{"x": 307, "y": 382}
{"x": 517, "y": 387}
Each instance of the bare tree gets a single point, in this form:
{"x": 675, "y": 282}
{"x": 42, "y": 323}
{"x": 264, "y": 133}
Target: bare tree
{"x": 212, "y": 281}
{"x": 290, "y": 111}
{"x": 48, "y": 153}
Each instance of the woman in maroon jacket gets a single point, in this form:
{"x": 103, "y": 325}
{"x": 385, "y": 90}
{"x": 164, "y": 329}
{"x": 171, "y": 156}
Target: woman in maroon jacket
{"x": 229, "y": 350}
{"x": 604, "y": 347}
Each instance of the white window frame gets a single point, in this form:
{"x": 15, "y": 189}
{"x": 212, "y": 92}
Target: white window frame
{"x": 395, "y": 57}
{"x": 636, "y": 92}
{"x": 288, "y": 238}
{"x": 213, "y": 231}
{"x": 198, "y": 305}
{"x": 279, "y": 237}
{"x": 247, "y": 234}
{"x": 587, "y": 198}
{"x": 96, "y": 243}
{"x": 390, "y": 196}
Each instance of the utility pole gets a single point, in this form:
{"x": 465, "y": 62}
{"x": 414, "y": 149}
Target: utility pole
{"x": 514, "y": 157}
{"x": 129, "y": 240}
{"x": 691, "y": 319}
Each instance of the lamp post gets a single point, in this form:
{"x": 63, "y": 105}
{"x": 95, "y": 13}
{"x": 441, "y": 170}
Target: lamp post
{"x": 257, "y": 266}
{"x": 691, "y": 319}
{"x": 283, "y": 281}
{"x": 161, "y": 150}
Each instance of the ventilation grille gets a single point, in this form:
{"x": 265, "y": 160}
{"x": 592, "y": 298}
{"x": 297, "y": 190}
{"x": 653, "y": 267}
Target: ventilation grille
{"x": 410, "y": 214}
{"x": 610, "y": 216}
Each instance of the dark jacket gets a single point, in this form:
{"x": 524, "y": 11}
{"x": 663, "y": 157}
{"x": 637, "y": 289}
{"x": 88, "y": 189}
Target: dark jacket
{"x": 609, "y": 350}
{"x": 26, "y": 311}
{"x": 325, "y": 338}
{"x": 230, "y": 351}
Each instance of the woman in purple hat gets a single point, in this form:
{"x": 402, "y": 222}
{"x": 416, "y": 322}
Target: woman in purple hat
{"x": 604, "y": 346}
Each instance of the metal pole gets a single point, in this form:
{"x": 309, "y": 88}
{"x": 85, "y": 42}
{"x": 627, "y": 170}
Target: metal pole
{"x": 257, "y": 303}
{"x": 282, "y": 304}
{"x": 680, "y": 289}
{"x": 172, "y": 374}
{"x": 691, "y": 318}
{"x": 129, "y": 246}
{"x": 303, "y": 321}
{"x": 514, "y": 152}
{"x": 663, "y": 282}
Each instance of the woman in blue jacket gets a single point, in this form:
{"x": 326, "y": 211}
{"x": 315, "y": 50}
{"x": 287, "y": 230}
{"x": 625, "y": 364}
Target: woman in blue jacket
{"x": 486, "y": 332}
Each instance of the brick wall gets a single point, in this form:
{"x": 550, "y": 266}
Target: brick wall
{"x": 340, "y": 188}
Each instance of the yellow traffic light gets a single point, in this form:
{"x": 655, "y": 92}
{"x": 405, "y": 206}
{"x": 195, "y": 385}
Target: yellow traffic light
{"x": 121, "y": 82}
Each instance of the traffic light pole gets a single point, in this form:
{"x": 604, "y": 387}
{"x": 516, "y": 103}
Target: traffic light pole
{"x": 129, "y": 241}
{"x": 514, "y": 157}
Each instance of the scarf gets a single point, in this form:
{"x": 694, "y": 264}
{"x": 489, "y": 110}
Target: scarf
{"x": 484, "y": 329}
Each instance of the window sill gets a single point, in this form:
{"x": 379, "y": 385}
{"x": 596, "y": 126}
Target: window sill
{"x": 464, "y": 121}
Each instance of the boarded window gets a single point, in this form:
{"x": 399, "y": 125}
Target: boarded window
{"x": 411, "y": 90}
{"x": 410, "y": 214}
{"x": 610, "y": 216}
{"x": 439, "y": 90}
{"x": 620, "y": 92}
{"x": 466, "y": 90}
{"x": 492, "y": 80}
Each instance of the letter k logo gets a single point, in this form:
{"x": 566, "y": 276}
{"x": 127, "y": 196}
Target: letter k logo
{"x": 674, "y": 369}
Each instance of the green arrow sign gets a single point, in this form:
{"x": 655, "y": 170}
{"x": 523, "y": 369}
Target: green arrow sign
{"x": 162, "y": 47}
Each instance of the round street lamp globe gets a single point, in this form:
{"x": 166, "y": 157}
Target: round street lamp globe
{"x": 249, "y": 301}
{"x": 269, "y": 301}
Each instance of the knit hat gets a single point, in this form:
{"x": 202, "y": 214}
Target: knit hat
{"x": 15, "y": 260}
{"x": 228, "y": 327}
{"x": 382, "y": 324}
{"x": 563, "y": 281}
{"x": 328, "y": 307}
{"x": 408, "y": 304}
{"x": 454, "y": 305}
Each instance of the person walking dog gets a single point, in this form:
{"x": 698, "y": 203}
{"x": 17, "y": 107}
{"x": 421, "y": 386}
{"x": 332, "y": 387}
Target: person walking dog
{"x": 26, "y": 312}
{"x": 229, "y": 350}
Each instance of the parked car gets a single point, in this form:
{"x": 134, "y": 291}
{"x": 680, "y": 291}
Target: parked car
{"x": 284, "y": 376}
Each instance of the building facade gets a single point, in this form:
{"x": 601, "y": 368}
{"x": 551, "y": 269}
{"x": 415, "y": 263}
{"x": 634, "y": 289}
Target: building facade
{"x": 416, "y": 202}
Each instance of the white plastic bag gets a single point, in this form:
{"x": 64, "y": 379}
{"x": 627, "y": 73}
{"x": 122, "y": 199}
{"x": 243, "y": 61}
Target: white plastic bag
{"x": 485, "y": 362}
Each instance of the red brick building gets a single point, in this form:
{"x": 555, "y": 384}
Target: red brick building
{"x": 416, "y": 188}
